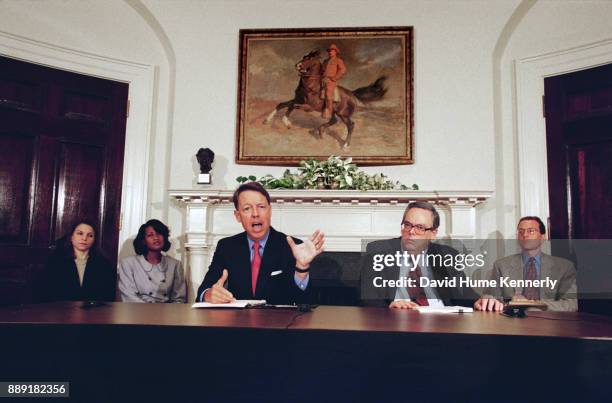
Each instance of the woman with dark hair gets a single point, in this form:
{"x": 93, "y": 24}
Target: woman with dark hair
{"x": 151, "y": 276}
{"x": 76, "y": 271}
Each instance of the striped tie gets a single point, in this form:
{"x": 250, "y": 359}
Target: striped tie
{"x": 532, "y": 293}
{"x": 417, "y": 294}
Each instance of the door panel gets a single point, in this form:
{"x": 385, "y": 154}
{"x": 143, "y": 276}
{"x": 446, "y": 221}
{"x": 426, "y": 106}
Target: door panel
{"x": 16, "y": 164}
{"x": 579, "y": 148}
{"x": 61, "y": 159}
{"x": 579, "y": 137}
{"x": 19, "y": 95}
{"x": 79, "y": 190}
{"x": 591, "y": 185}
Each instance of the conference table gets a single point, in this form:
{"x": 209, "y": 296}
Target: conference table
{"x": 172, "y": 352}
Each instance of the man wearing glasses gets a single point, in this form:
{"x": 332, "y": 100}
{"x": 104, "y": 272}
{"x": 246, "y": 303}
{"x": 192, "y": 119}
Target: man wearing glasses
{"x": 532, "y": 264}
{"x": 419, "y": 227}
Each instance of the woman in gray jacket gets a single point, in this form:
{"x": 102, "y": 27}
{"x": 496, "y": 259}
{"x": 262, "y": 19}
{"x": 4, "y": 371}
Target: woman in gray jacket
{"x": 150, "y": 276}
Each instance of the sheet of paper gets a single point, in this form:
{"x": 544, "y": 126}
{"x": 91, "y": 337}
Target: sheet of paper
{"x": 444, "y": 309}
{"x": 239, "y": 303}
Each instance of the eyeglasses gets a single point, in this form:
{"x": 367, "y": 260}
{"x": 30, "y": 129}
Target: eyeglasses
{"x": 418, "y": 228}
{"x": 528, "y": 231}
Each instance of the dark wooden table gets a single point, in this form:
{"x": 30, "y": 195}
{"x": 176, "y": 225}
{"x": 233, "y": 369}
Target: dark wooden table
{"x": 174, "y": 353}
{"x": 332, "y": 318}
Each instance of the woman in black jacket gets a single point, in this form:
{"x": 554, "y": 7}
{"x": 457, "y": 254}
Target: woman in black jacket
{"x": 76, "y": 271}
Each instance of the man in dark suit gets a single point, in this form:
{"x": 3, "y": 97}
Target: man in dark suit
{"x": 419, "y": 227}
{"x": 259, "y": 263}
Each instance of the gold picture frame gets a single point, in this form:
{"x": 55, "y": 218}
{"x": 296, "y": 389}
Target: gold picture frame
{"x": 277, "y": 75}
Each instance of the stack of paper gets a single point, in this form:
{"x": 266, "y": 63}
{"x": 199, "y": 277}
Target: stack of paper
{"x": 239, "y": 303}
{"x": 444, "y": 309}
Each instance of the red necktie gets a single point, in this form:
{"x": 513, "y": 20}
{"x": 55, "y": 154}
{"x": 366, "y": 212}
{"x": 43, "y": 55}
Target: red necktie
{"x": 417, "y": 293}
{"x": 255, "y": 264}
{"x": 532, "y": 293}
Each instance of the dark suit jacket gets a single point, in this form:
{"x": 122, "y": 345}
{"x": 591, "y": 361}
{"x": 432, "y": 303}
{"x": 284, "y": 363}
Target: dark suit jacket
{"x": 373, "y": 296}
{"x": 233, "y": 254}
{"x": 59, "y": 280}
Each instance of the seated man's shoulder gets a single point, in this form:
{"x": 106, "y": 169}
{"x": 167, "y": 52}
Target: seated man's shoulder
{"x": 278, "y": 234}
{"x": 383, "y": 246}
{"x": 282, "y": 237}
{"x": 560, "y": 263}
{"x": 229, "y": 244}
{"x": 230, "y": 239}
{"x": 440, "y": 249}
{"x": 507, "y": 260}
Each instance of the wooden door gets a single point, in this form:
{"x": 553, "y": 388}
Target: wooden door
{"x": 61, "y": 159}
{"x": 579, "y": 141}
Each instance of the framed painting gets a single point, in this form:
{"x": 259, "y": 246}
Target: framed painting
{"x": 312, "y": 93}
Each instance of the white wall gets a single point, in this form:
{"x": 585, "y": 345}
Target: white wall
{"x": 453, "y": 82}
{"x": 549, "y": 26}
{"x": 464, "y": 97}
{"x": 453, "y": 104}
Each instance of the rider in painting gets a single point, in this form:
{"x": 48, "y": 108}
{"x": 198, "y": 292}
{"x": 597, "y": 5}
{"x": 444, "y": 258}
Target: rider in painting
{"x": 333, "y": 70}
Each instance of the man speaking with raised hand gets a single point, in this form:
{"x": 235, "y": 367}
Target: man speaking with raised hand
{"x": 259, "y": 263}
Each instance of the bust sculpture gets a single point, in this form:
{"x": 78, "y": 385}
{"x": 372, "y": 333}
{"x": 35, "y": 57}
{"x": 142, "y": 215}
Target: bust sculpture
{"x": 205, "y": 158}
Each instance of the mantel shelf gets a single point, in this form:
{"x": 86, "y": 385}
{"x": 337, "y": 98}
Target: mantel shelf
{"x": 305, "y": 196}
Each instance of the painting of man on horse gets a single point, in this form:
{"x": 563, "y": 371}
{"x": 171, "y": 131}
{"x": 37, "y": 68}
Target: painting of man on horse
{"x": 355, "y": 104}
{"x": 317, "y": 91}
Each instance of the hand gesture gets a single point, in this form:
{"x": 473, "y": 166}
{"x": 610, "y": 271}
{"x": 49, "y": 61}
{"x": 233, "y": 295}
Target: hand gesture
{"x": 305, "y": 252}
{"x": 217, "y": 294}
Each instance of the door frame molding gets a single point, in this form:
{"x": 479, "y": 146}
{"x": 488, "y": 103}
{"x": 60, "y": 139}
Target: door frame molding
{"x": 531, "y": 125}
{"x": 140, "y": 78}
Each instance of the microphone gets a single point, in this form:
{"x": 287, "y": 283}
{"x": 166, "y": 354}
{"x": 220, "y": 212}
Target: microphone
{"x": 92, "y": 304}
{"x": 306, "y": 307}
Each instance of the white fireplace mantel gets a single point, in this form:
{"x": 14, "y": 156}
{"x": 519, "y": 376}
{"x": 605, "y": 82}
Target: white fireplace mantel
{"x": 347, "y": 217}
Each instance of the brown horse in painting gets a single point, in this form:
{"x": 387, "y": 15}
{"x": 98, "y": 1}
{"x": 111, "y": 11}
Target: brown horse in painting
{"x": 307, "y": 97}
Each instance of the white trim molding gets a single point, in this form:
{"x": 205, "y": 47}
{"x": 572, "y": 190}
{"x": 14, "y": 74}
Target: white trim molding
{"x": 531, "y": 125}
{"x": 140, "y": 78}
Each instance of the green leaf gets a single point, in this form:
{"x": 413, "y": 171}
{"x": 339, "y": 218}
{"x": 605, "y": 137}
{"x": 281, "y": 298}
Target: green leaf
{"x": 349, "y": 180}
{"x": 313, "y": 174}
